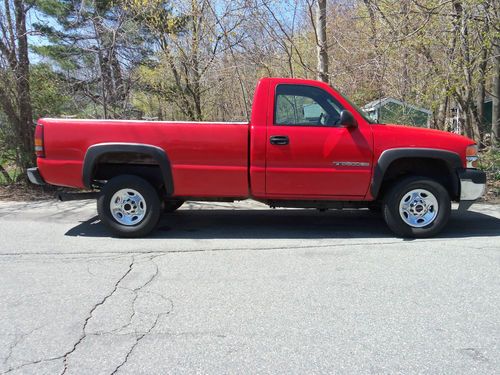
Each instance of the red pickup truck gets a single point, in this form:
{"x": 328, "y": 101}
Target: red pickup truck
{"x": 306, "y": 146}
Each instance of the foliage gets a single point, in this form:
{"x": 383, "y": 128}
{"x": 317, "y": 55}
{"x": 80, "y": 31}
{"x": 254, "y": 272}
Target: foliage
{"x": 48, "y": 95}
{"x": 93, "y": 45}
{"x": 200, "y": 59}
{"x": 489, "y": 161}
{"x": 15, "y": 98}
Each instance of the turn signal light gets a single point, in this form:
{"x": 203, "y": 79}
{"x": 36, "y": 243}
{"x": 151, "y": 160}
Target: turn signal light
{"x": 471, "y": 156}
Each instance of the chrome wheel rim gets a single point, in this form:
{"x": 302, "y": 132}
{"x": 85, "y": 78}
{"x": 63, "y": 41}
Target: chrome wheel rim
{"x": 418, "y": 208}
{"x": 128, "y": 207}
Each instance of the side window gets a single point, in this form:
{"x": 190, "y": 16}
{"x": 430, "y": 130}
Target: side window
{"x": 306, "y": 106}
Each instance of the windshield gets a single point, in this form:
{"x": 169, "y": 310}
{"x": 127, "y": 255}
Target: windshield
{"x": 359, "y": 110}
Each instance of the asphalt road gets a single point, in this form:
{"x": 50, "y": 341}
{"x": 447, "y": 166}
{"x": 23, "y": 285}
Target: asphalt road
{"x": 217, "y": 290}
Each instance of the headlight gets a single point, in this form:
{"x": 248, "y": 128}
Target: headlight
{"x": 471, "y": 156}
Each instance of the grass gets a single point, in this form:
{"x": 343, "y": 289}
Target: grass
{"x": 13, "y": 173}
{"x": 489, "y": 161}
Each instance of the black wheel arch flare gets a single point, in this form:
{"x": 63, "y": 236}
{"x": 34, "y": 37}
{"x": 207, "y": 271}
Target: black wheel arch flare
{"x": 94, "y": 152}
{"x": 387, "y": 157}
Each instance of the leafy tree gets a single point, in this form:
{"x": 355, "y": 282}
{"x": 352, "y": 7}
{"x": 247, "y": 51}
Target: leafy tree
{"x": 15, "y": 99}
{"x": 48, "y": 93}
{"x": 94, "y": 45}
{"x": 191, "y": 38}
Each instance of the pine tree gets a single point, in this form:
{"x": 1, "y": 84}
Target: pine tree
{"x": 95, "y": 44}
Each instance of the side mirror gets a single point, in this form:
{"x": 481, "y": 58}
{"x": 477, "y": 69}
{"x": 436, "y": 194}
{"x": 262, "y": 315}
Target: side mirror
{"x": 347, "y": 119}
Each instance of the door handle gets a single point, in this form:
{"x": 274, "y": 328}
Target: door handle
{"x": 279, "y": 140}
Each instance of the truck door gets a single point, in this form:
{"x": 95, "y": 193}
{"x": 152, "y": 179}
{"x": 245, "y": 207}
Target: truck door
{"x": 309, "y": 154}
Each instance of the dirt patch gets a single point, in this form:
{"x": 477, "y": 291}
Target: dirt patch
{"x": 28, "y": 192}
{"x": 492, "y": 194}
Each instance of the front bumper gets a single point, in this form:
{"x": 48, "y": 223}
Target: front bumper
{"x": 35, "y": 177}
{"x": 472, "y": 186}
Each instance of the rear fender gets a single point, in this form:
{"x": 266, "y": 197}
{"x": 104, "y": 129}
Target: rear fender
{"x": 96, "y": 151}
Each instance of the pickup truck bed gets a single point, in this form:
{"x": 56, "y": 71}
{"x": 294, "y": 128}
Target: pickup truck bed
{"x": 207, "y": 158}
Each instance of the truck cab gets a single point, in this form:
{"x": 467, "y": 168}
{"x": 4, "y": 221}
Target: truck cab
{"x": 317, "y": 146}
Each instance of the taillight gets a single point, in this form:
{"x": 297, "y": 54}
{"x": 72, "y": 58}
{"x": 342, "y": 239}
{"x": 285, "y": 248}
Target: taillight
{"x": 39, "y": 150}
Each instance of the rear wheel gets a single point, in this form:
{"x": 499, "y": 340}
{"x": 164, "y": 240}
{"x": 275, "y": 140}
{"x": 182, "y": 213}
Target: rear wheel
{"x": 416, "y": 207}
{"x": 129, "y": 206}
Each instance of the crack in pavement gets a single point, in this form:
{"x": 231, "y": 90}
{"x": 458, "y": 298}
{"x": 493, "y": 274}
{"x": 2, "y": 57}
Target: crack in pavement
{"x": 136, "y": 294}
{"x": 121, "y": 254}
{"x": 64, "y": 356}
{"x": 137, "y": 340}
{"x": 18, "y": 338}
{"x": 91, "y": 313}
{"x": 32, "y": 363}
{"x": 475, "y": 354}
{"x": 136, "y": 290}
{"x": 134, "y": 312}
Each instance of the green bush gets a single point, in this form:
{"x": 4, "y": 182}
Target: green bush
{"x": 489, "y": 161}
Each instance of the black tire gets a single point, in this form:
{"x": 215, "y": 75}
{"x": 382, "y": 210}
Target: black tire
{"x": 393, "y": 218}
{"x": 152, "y": 206}
{"x": 172, "y": 205}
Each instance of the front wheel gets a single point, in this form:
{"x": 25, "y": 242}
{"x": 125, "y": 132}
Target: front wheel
{"x": 129, "y": 206}
{"x": 417, "y": 207}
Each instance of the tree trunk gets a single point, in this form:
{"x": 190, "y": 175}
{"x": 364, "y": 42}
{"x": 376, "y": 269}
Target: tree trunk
{"x": 466, "y": 93}
{"x": 5, "y": 175}
{"x": 121, "y": 91}
{"x": 481, "y": 92}
{"x": 406, "y": 84}
{"x": 195, "y": 46}
{"x": 26, "y": 128}
{"x": 474, "y": 124}
{"x": 105, "y": 58}
{"x": 322, "y": 47}
{"x": 440, "y": 122}
{"x": 495, "y": 117}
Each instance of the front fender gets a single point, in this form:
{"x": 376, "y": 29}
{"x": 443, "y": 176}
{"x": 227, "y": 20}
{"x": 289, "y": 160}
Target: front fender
{"x": 387, "y": 157}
